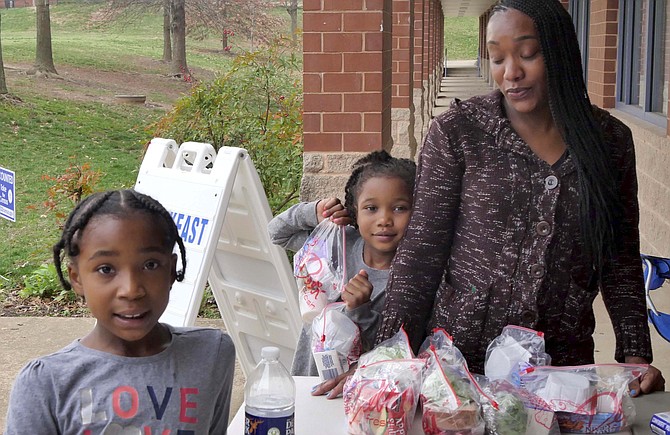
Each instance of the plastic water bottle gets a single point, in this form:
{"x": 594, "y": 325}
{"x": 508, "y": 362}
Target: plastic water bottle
{"x": 269, "y": 397}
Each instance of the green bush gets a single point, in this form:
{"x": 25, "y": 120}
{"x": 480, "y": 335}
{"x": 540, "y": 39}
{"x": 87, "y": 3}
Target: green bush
{"x": 256, "y": 105}
{"x": 43, "y": 282}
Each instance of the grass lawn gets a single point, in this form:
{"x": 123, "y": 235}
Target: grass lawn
{"x": 461, "y": 36}
{"x": 48, "y": 131}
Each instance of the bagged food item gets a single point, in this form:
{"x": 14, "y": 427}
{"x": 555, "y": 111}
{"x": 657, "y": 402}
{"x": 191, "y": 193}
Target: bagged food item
{"x": 320, "y": 268}
{"x": 587, "y": 399}
{"x": 336, "y": 341}
{"x": 518, "y": 412}
{"x": 382, "y": 395}
{"x": 449, "y": 399}
{"x": 515, "y": 349}
{"x": 443, "y": 345}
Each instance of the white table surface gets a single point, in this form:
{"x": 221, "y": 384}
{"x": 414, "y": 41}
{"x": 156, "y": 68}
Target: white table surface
{"x": 318, "y": 415}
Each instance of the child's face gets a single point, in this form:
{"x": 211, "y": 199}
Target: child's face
{"x": 383, "y": 209}
{"x": 125, "y": 272}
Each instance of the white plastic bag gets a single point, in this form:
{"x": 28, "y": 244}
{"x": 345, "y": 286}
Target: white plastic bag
{"x": 320, "y": 268}
{"x": 515, "y": 349}
{"x": 591, "y": 398}
{"x": 336, "y": 341}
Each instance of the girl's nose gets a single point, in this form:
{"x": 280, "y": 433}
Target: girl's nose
{"x": 131, "y": 287}
{"x": 386, "y": 219}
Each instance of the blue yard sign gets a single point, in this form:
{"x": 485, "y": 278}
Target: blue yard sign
{"x": 7, "y": 196}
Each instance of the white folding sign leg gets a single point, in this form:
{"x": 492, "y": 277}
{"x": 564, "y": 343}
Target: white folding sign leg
{"x": 194, "y": 184}
{"x": 251, "y": 278}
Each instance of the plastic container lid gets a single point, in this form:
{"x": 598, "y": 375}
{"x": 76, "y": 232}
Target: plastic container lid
{"x": 270, "y": 352}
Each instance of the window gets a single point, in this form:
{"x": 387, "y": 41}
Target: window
{"x": 641, "y": 88}
{"x": 579, "y": 10}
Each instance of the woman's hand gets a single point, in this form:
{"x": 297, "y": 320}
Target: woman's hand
{"x": 332, "y": 208}
{"x": 335, "y": 386}
{"x": 357, "y": 291}
{"x": 649, "y": 382}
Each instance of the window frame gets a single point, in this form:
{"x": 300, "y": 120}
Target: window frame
{"x": 580, "y": 11}
{"x": 628, "y": 60}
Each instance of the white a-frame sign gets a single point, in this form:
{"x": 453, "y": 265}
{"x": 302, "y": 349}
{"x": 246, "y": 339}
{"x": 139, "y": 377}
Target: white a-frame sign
{"x": 220, "y": 208}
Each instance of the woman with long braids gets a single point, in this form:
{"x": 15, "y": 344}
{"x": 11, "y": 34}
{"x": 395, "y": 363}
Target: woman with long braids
{"x": 525, "y": 207}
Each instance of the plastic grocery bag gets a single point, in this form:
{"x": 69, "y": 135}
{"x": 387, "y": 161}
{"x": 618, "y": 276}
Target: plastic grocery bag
{"x": 515, "y": 349}
{"x": 450, "y": 395}
{"x": 517, "y": 411}
{"x": 320, "y": 268}
{"x": 382, "y": 395}
{"x": 336, "y": 341}
{"x": 587, "y": 399}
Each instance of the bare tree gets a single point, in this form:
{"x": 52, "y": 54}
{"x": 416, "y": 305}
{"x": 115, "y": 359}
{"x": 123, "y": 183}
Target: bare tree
{"x": 44, "y": 62}
{"x": 3, "y": 83}
{"x": 167, "y": 31}
{"x": 292, "y": 9}
{"x": 178, "y": 67}
{"x": 251, "y": 18}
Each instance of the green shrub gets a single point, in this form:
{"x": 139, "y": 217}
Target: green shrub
{"x": 43, "y": 282}
{"x": 256, "y": 105}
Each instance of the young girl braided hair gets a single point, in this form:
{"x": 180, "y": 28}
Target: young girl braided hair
{"x": 130, "y": 372}
{"x": 525, "y": 208}
{"x": 378, "y": 202}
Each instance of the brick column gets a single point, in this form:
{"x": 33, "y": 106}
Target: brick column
{"x": 402, "y": 107}
{"x": 347, "y": 89}
{"x": 603, "y": 31}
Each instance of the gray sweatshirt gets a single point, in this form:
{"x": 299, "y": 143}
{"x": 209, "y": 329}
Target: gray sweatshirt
{"x": 289, "y": 230}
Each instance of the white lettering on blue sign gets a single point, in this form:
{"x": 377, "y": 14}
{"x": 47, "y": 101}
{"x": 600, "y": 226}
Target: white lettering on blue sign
{"x": 7, "y": 196}
{"x": 191, "y": 228}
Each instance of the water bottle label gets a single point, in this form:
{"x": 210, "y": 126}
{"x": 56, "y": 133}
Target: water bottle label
{"x": 267, "y": 425}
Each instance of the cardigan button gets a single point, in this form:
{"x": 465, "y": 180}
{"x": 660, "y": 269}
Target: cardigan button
{"x": 528, "y": 316}
{"x": 543, "y": 228}
{"x": 551, "y": 182}
{"x": 537, "y": 270}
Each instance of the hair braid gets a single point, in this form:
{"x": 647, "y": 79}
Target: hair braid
{"x": 571, "y": 109}
{"x": 114, "y": 203}
{"x": 376, "y": 164}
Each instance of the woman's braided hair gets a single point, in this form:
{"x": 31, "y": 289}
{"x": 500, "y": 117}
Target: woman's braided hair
{"x": 114, "y": 203}
{"x": 600, "y": 203}
{"x": 376, "y": 164}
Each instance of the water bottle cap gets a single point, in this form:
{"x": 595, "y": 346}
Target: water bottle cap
{"x": 270, "y": 352}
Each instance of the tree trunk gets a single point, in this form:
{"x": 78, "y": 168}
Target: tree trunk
{"x": 44, "y": 62}
{"x": 3, "y": 84}
{"x": 178, "y": 66}
{"x": 293, "y": 13}
{"x": 167, "y": 39}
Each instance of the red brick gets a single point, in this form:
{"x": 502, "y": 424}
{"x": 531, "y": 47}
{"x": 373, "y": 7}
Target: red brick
{"x": 311, "y": 5}
{"x": 311, "y": 83}
{"x": 322, "y": 62}
{"x": 362, "y": 22}
{"x": 322, "y": 142}
{"x": 342, "y": 82}
{"x": 374, "y": 41}
{"x": 373, "y": 81}
{"x": 311, "y": 122}
{"x": 361, "y": 142}
{"x": 363, "y": 102}
{"x": 374, "y": 5}
{"x": 311, "y": 43}
{"x": 322, "y": 103}
{"x": 342, "y": 42}
{"x": 362, "y": 61}
{"x": 400, "y": 6}
{"x": 322, "y": 22}
{"x": 372, "y": 122}
{"x": 342, "y": 122}
{"x": 400, "y": 102}
{"x": 342, "y": 5}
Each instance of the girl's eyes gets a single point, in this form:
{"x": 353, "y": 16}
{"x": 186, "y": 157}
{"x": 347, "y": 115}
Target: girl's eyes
{"x": 370, "y": 208}
{"x": 152, "y": 265}
{"x": 105, "y": 270}
{"x": 401, "y": 208}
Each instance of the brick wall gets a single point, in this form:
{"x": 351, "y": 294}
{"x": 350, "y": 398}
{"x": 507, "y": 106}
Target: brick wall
{"x": 603, "y": 52}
